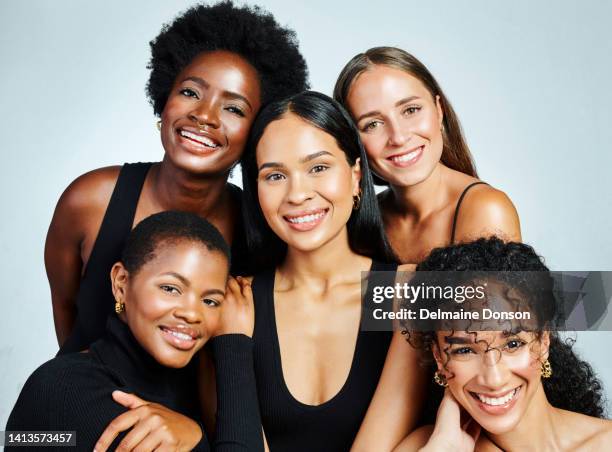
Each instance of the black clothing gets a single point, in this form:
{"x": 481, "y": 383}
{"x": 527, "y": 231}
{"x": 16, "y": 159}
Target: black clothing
{"x": 463, "y": 193}
{"x": 290, "y": 425}
{"x": 73, "y": 391}
{"x": 95, "y": 298}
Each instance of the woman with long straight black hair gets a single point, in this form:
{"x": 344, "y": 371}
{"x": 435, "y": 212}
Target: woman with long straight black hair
{"x": 313, "y": 226}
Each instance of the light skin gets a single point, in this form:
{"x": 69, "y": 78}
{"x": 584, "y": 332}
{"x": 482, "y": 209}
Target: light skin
{"x": 213, "y": 100}
{"x": 184, "y": 289}
{"x": 520, "y": 418}
{"x": 319, "y": 278}
{"x": 400, "y": 124}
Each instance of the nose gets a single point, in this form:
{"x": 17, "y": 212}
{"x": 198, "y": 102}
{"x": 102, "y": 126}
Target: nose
{"x": 397, "y": 135}
{"x": 493, "y": 372}
{"x": 299, "y": 190}
{"x": 189, "y": 309}
{"x": 205, "y": 113}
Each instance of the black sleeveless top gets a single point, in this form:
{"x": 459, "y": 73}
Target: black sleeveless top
{"x": 290, "y": 425}
{"x": 459, "y": 201}
{"x": 95, "y": 299}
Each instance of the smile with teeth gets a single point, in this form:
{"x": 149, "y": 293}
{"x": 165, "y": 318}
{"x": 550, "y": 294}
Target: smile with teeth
{"x": 199, "y": 139}
{"x": 406, "y": 157}
{"x": 309, "y": 218}
{"x": 497, "y": 401}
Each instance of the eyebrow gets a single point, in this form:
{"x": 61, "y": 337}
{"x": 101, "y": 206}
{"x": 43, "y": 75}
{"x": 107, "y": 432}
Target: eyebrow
{"x": 308, "y": 158}
{"x": 397, "y": 104}
{"x": 457, "y": 340}
{"x": 227, "y": 94}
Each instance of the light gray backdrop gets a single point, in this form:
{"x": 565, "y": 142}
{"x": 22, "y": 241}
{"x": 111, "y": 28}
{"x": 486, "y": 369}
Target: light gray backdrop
{"x": 529, "y": 80}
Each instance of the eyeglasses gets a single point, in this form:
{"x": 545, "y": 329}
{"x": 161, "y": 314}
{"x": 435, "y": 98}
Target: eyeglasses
{"x": 513, "y": 350}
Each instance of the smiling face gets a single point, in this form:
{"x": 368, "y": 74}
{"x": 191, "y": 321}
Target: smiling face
{"x": 172, "y": 303}
{"x": 399, "y": 122}
{"x": 305, "y": 185}
{"x": 492, "y": 374}
{"x": 209, "y": 112}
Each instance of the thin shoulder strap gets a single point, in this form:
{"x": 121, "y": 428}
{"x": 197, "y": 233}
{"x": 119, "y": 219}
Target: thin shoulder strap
{"x": 465, "y": 190}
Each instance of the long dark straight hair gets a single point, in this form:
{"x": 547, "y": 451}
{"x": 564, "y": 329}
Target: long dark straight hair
{"x": 365, "y": 228}
{"x": 455, "y": 152}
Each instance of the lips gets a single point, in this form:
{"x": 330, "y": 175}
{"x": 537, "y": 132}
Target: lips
{"x": 407, "y": 158}
{"x": 305, "y": 220}
{"x": 180, "y": 336}
{"x": 198, "y": 140}
{"x": 497, "y": 403}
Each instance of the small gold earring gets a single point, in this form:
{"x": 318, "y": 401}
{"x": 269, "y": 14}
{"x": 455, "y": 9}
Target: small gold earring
{"x": 159, "y": 124}
{"x": 356, "y": 201}
{"x": 440, "y": 379}
{"x": 119, "y": 307}
{"x": 546, "y": 369}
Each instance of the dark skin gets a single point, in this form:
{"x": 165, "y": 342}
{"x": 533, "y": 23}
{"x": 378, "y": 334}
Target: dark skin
{"x": 205, "y": 125}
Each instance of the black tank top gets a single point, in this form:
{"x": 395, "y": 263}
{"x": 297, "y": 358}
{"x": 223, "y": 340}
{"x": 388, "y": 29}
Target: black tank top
{"x": 95, "y": 299}
{"x": 290, "y": 425}
{"x": 456, "y": 215}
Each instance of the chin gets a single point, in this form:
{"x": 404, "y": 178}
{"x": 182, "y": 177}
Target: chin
{"x": 174, "y": 360}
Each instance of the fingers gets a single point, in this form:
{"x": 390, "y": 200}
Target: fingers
{"x": 128, "y": 400}
{"x": 118, "y": 425}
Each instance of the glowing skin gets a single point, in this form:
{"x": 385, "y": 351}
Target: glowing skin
{"x": 496, "y": 387}
{"x": 172, "y": 303}
{"x": 305, "y": 184}
{"x": 399, "y": 123}
{"x": 209, "y": 112}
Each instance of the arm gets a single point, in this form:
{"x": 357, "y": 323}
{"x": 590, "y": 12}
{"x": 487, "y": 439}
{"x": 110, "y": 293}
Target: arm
{"x": 396, "y": 405}
{"x": 484, "y": 212}
{"x": 73, "y": 229}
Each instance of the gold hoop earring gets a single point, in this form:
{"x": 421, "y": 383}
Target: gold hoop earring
{"x": 357, "y": 201}
{"x": 440, "y": 379}
{"x": 159, "y": 124}
{"x": 119, "y": 307}
{"x": 546, "y": 369}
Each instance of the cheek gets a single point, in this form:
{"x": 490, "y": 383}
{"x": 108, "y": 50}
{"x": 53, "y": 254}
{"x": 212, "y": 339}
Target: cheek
{"x": 374, "y": 144}
{"x": 270, "y": 199}
{"x": 237, "y": 130}
{"x": 428, "y": 127}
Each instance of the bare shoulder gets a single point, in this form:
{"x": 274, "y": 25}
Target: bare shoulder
{"x": 486, "y": 211}
{"x": 596, "y": 433}
{"x": 91, "y": 190}
{"x": 415, "y": 440}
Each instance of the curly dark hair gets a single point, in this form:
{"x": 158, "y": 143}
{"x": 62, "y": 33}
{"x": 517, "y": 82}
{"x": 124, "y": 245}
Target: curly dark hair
{"x": 247, "y": 31}
{"x": 573, "y": 385}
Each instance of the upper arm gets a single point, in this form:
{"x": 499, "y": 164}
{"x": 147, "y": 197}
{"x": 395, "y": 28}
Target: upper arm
{"x": 485, "y": 212}
{"x": 415, "y": 440}
{"x": 397, "y": 402}
{"x": 76, "y": 220}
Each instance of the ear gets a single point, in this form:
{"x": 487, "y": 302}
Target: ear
{"x": 356, "y": 176}
{"x": 119, "y": 280}
{"x": 545, "y": 344}
{"x": 439, "y": 110}
{"x": 435, "y": 349}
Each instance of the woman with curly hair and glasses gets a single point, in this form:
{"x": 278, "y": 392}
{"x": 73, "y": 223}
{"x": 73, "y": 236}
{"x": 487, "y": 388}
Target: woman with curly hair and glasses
{"x": 212, "y": 69}
{"x": 520, "y": 388}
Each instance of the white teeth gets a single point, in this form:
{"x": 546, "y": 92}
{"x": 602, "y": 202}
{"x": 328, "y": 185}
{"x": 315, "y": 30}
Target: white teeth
{"x": 199, "y": 138}
{"x": 306, "y": 218}
{"x": 497, "y": 401}
{"x": 406, "y": 157}
{"x": 182, "y": 336}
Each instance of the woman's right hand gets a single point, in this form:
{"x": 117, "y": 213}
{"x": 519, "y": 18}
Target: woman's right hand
{"x": 448, "y": 434}
{"x": 237, "y": 311}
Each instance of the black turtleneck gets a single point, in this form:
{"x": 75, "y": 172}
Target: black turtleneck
{"x": 72, "y": 392}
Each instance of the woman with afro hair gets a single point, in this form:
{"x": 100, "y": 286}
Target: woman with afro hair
{"x": 212, "y": 69}
{"x": 522, "y": 388}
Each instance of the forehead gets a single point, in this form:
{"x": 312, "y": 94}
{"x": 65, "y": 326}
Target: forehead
{"x": 226, "y": 71}
{"x": 488, "y": 337}
{"x": 292, "y": 138}
{"x": 380, "y": 86}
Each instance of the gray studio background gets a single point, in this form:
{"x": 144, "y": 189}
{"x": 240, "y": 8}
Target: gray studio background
{"x": 529, "y": 80}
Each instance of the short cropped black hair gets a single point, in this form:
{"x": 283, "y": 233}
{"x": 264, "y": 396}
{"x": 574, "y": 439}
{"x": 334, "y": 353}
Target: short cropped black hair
{"x": 247, "y": 31}
{"x": 170, "y": 226}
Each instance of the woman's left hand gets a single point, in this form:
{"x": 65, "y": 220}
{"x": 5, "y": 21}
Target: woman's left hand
{"x": 153, "y": 427}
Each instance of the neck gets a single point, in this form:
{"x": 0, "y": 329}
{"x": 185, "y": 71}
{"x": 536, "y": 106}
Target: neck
{"x": 331, "y": 264}
{"x": 176, "y": 189}
{"x": 423, "y": 198}
{"x": 537, "y": 429}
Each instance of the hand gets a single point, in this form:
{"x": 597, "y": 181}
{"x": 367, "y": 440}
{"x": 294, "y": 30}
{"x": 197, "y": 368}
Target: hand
{"x": 448, "y": 434}
{"x": 237, "y": 311}
{"x": 154, "y": 427}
